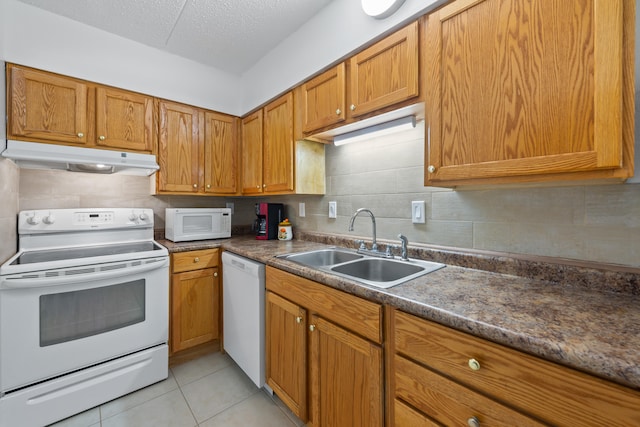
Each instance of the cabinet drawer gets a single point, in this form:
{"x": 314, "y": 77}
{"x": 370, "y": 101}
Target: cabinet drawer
{"x": 356, "y": 314}
{"x": 552, "y": 393}
{"x": 405, "y": 416}
{"x": 195, "y": 260}
{"x": 449, "y": 402}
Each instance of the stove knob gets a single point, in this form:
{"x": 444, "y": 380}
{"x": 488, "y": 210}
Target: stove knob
{"x": 143, "y": 216}
{"x": 49, "y": 219}
{"x": 33, "y": 220}
{"x": 133, "y": 216}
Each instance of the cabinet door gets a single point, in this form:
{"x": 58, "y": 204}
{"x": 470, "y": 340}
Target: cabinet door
{"x": 286, "y": 352}
{"x": 195, "y": 298}
{"x": 346, "y": 377}
{"x": 323, "y": 99}
{"x": 518, "y": 89}
{"x": 278, "y": 145}
{"x": 180, "y": 148}
{"x": 252, "y": 153}
{"x": 124, "y": 120}
{"x": 385, "y": 73}
{"x": 220, "y": 154}
{"x": 47, "y": 107}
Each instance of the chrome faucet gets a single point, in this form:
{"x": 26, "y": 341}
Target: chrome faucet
{"x": 374, "y": 246}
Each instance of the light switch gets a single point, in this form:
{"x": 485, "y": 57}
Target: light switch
{"x": 418, "y": 215}
{"x": 301, "y": 212}
{"x": 333, "y": 209}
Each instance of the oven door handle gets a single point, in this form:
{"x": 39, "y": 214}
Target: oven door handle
{"x": 35, "y": 282}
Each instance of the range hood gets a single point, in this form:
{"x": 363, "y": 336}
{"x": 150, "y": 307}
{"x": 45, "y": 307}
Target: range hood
{"x": 35, "y": 155}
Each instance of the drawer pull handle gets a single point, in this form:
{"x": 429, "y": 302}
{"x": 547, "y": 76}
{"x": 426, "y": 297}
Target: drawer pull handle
{"x": 196, "y": 259}
{"x": 299, "y": 319}
{"x": 474, "y": 364}
{"x": 473, "y": 422}
{"x": 312, "y": 328}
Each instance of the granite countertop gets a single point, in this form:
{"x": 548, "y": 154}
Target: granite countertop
{"x": 592, "y": 329}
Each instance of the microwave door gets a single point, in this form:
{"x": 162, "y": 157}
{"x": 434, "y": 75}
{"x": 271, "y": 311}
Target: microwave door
{"x": 196, "y": 225}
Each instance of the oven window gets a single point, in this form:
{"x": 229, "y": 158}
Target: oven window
{"x": 73, "y": 315}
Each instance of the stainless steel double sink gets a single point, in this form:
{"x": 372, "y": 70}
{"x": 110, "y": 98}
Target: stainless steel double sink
{"x": 370, "y": 270}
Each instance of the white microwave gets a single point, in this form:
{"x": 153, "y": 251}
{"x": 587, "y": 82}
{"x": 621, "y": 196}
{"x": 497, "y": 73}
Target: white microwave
{"x": 185, "y": 224}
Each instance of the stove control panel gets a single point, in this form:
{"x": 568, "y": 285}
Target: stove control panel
{"x": 63, "y": 220}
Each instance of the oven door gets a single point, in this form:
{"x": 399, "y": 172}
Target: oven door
{"x": 62, "y": 321}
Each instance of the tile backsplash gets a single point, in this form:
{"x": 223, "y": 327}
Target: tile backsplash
{"x": 593, "y": 223}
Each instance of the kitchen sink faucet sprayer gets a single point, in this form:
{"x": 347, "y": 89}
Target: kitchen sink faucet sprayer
{"x": 405, "y": 242}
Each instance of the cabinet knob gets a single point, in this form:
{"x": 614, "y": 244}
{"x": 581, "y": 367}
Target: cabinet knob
{"x": 215, "y": 274}
{"x": 338, "y": 112}
{"x": 257, "y": 186}
{"x": 352, "y": 107}
{"x": 312, "y": 328}
{"x": 195, "y": 185}
{"x": 102, "y": 138}
{"x": 473, "y": 422}
{"x": 264, "y": 185}
{"x": 299, "y": 319}
{"x": 80, "y": 134}
{"x": 208, "y": 185}
{"x": 431, "y": 169}
{"x": 196, "y": 259}
{"x": 474, "y": 364}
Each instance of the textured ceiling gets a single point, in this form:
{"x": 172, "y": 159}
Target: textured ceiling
{"x": 231, "y": 35}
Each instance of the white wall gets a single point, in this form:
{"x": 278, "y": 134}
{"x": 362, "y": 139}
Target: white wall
{"x": 40, "y": 39}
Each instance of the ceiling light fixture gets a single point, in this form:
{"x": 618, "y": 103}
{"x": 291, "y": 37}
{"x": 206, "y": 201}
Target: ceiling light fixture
{"x": 397, "y": 125}
{"x": 381, "y": 9}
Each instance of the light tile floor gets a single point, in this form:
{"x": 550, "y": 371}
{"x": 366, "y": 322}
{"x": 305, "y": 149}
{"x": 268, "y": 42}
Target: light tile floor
{"x": 211, "y": 391}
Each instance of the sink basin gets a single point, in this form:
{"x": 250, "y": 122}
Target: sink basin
{"x": 385, "y": 273}
{"x": 323, "y": 257}
{"x": 379, "y": 272}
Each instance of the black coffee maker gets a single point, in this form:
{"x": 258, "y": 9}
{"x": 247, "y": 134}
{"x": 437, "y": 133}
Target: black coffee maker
{"x": 269, "y": 216}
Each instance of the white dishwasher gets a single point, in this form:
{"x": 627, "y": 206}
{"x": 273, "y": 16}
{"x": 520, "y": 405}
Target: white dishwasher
{"x": 243, "y": 289}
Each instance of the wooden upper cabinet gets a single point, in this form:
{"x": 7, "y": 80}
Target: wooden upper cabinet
{"x": 519, "y": 91}
{"x": 220, "y": 153}
{"x": 386, "y": 73}
{"x": 278, "y": 144}
{"x": 45, "y": 106}
{"x": 252, "y": 153}
{"x": 323, "y": 99}
{"x": 124, "y": 119}
{"x": 180, "y": 147}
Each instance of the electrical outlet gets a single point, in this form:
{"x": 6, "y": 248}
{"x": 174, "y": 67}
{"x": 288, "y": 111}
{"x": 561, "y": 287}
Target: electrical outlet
{"x": 301, "y": 212}
{"x": 418, "y": 215}
{"x": 333, "y": 209}
{"x": 230, "y": 206}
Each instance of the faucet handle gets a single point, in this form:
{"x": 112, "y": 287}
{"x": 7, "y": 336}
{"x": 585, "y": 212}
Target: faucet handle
{"x": 390, "y": 248}
{"x": 360, "y": 244}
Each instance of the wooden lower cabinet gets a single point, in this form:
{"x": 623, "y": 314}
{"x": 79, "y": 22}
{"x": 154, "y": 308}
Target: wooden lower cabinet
{"x": 346, "y": 377}
{"x": 195, "y": 299}
{"x": 286, "y": 349}
{"x": 446, "y": 377}
{"x": 324, "y": 353}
